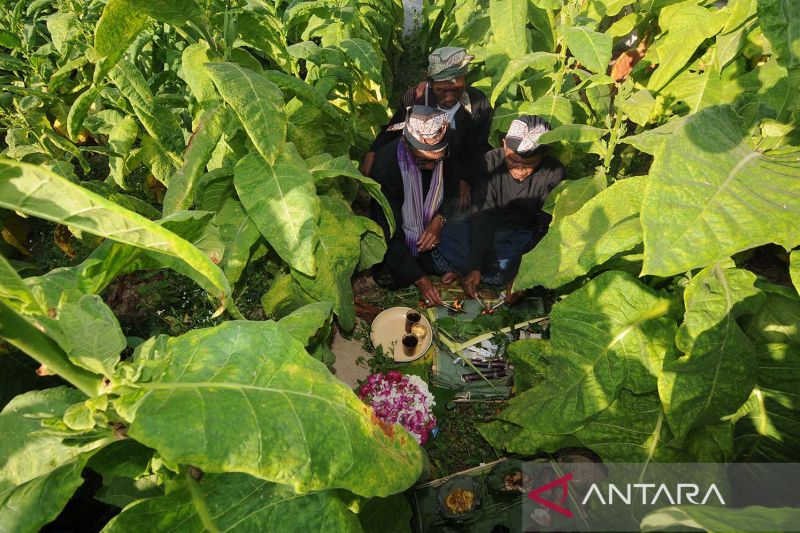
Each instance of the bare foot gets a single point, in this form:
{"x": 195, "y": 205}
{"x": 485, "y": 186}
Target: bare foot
{"x": 450, "y": 277}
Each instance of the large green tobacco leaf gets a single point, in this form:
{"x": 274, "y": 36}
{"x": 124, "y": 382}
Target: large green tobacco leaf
{"x": 708, "y": 192}
{"x": 282, "y": 201}
{"x": 541, "y": 61}
{"x": 31, "y": 505}
{"x": 768, "y": 429}
{"x": 337, "y": 256}
{"x": 121, "y": 140}
{"x": 118, "y": 26}
{"x": 363, "y": 56}
{"x": 570, "y": 195}
{"x": 710, "y": 518}
{"x": 41, "y": 193}
{"x": 158, "y": 121}
{"x": 204, "y": 140}
{"x": 632, "y": 429}
{"x": 258, "y": 103}
{"x": 778, "y": 320}
{"x": 324, "y": 167}
{"x": 246, "y": 397}
{"x": 687, "y": 28}
{"x": 604, "y": 226}
{"x": 89, "y": 333}
{"x": 718, "y": 372}
{"x": 304, "y": 323}
{"x": 508, "y": 18}
{"x": 592, "y": 49}
{"x": 235, "y": 502}
{"x": 27, "y": 451}
{"x": 239, "y": 233}
{"x": 609, "y": 334}
{"x": 780, "y": 22}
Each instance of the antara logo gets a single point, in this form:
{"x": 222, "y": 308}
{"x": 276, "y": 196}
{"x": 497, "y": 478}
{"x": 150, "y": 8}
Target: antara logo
{"x": 684, "y": 493}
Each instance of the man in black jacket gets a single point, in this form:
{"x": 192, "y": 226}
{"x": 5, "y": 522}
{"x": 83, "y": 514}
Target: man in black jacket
{"x": 520, "y": 176}
{"x": 423, "y": 193}
{"x": 468, "y": 111}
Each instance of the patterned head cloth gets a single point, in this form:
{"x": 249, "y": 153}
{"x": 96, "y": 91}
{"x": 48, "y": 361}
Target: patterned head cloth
{"x": 523, "y": 135}
{"x": 448, "y": 63}
{"x": 426, "y": 128}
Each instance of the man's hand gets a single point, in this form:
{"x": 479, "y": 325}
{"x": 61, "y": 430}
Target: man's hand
{"x": 471, "y": 282}
{"x": 366, "y": 163}
{"x": 430, "y": 237}
{"x": 464, "y": 195}
{"x": 428, "y": 291}
{"x": 512, "y": 297}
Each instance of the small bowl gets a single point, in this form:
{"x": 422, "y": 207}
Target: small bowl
{"x": 461, "y": 483}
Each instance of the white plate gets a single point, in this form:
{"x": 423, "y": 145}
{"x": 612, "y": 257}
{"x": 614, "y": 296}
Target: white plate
{"x": 388, "y": 329}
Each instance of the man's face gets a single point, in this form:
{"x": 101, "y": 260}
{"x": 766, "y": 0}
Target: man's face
{"x": 520, "y": 167}
{"x": 428, "y": 159}
{"x": 448, "y": 93}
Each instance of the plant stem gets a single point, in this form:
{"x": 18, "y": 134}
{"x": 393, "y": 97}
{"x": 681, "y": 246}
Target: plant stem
{"x": 22, "y": 334}
{"x": 612, "y": 142}
{"x": 199, "y": 502}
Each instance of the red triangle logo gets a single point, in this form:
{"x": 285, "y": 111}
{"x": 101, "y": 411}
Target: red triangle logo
{"x": 562, "y": 482}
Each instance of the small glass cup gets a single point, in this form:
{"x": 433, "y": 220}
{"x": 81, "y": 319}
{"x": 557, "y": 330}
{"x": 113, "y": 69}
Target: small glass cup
{"x": 412, "y": 317}
{"x": 410, "y": 343}
{"x": 419, "y": 331}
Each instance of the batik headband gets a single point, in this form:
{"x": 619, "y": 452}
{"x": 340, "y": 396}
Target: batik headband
{"x": 426, "y": 128}
{"x": 524, "y": 133}
{"x": 448, "y": 63}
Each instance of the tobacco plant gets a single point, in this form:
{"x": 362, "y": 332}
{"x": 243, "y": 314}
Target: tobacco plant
{"x": 683, "y": 154}
{"x": 237, "y": 120}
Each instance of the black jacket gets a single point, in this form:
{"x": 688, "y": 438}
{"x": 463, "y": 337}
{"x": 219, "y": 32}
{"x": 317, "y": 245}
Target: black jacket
{"x": 471, "y": 136}
{"x": 508, "y": 204}
{"x": 404, "y": 267}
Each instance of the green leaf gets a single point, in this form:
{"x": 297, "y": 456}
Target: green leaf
{"x": 79, "y": 110}
{"x": 541, "y": 61}
{"x": 639, "y": 107}
{"x": 29, "y": 506}
{"x": 508, "y": 18}
{"x": 283, "y": 297}
{"x": 604, "y": 226}
{"x": 592, "y": 49}
{"x": 11, "y": 41}
{"x": 386, "y": 515}
{"x": 707, "y": 170}
{"x": 740, "y": 12}
{"x": 573, "y": 133}
{"x": 687, "y": 29}
{"x": 780, "y": 22}
{"x": 570, "y": 195}
{"x": 609, "y": 334}
{"x": 158, "y": 121}
{"x": 794, "y": 269}
{"x": 325, "y": 167}
{"x": 768, "y": 427}
{"x": 363, "y": 56}
{"x": 257, "y": 101}
{"x": 282, "y": 201}
{"x": 710, "y": 518}
{"x": 717, "y": 373}
{"x": 193, "y": 71}
{"x": 207, "y": 134}
{"x": 728, "y": 46}
{"x": 41, "y": 193}
{"x": 239, "y": 233}
{"x": 13, "y": 288}
{"x": 229, "y": 502}
{"x": 304, "y": 323}
{"x": 777, "y": 320}
{"x": 121, "y": 140}
{"x": 120, "y": 23}
{"x": 273, "y": 411}
{"x": 90, "y": 334}
{"x": 62, "y": 26}
{"x": 337, "y": 256}
{"x": 26, "y": 450}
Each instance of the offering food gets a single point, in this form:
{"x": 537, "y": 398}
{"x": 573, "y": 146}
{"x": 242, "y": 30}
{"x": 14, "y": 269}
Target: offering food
{"x": 460, "y": 501}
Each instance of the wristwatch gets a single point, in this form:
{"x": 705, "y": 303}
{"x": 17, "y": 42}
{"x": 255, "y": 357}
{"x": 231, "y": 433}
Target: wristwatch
{"x": 444, "y": 218}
